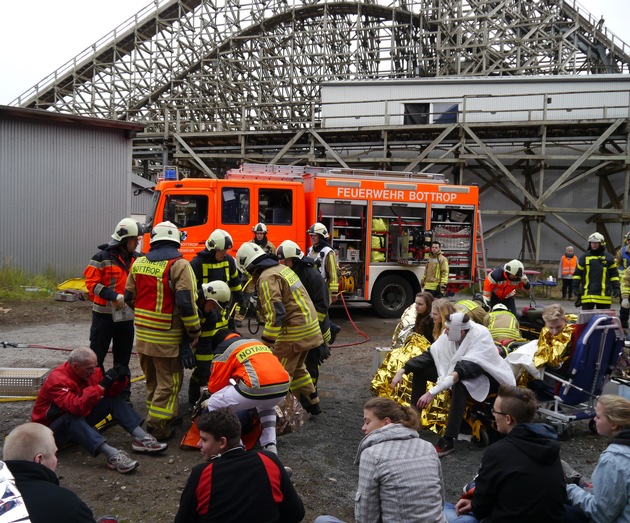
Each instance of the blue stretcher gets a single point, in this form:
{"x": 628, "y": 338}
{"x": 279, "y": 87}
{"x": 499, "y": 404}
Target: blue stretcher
{"x": 580, "y": 382}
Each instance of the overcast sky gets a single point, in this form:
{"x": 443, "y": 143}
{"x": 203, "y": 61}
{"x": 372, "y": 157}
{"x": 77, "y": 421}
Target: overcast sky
{"x": 39, "y": 36}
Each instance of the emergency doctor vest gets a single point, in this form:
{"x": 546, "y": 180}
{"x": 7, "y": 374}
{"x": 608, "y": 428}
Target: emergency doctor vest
{"x": 259, "y": 373}
{"x": 155, "y": 301}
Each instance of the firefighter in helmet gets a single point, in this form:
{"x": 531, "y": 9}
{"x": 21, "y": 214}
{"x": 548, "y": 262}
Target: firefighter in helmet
{"x": 324, "y": 256}
{"x": 213, "y": 264}
{"x": 293, "y": 257}
{"x": 162, "y": 289}
{"x": 260, "y": 238}
{"x": 105, "y": 279}
{"x": 291, "y": 326}
{"x": 474, "y": 308}
{"x": 596, "y": 278}
{"x": 502, "y": 283}
{"x": 623, "y": 261}
{"x": 326, "y": 262}
{"x": 503, "y": 326}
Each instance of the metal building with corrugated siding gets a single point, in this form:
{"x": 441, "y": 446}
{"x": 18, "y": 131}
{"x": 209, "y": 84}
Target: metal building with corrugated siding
{"x": 66, "y": 182}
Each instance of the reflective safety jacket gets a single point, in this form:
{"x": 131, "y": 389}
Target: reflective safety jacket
{"x": 596, "y": 277}
{"x": 503, "y": 325}
{"x": 265, "y": 245}
{"x": 106, "y": 276}
{"x": 623, "y": 260}
{"x": 257, "y": 371}
{"x": 435, "y": 273}
{"x": 498, "y": 283}
{"x": 163, "y": 293}
{"x": 567, "y": 267}
{"x": 317, "y": 291}
{"x": 207, "y": 269}
{"x": 290, "y": 317}
{"x": 326, "y": 262}
{"x": 473, "y": 309}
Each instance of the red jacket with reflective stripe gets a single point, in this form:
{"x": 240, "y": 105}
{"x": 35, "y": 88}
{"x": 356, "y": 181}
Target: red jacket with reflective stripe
{"x": 106, "y": 276}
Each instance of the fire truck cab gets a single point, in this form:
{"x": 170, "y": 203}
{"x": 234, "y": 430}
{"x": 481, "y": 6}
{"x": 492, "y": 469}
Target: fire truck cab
{"x": 381, "y": 223}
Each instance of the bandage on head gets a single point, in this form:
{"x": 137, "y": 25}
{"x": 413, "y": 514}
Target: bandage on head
{"x": 458, "y": 321}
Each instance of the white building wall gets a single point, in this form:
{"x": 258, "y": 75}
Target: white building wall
{"x": 483, "y": 99}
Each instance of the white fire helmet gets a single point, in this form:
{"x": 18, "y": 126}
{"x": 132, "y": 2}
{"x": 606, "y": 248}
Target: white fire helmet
{"x": 219, "y": 240}
{"x": 319, "y": 228}
{"x": 218, "y": 292}
{"x": 289, "y": 249}
{"x": 514, "y": 268}
{"x": 165, "y": 231}
{"x": 127, "y": 228}
{"x": 260, "y": 227}
{"x": 247, "y": 254}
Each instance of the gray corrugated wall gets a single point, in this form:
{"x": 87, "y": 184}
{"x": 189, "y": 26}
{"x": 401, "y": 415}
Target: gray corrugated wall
{"x": 63, "y": 189}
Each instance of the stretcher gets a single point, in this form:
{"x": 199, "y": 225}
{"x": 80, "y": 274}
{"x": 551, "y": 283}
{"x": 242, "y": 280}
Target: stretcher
{"x": 575, "y": 387}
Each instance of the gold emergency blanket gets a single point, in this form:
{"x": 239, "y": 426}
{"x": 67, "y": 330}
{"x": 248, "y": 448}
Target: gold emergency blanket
{"x": 407, "y": 320}
{"x": 433, "y": 418}
{"x": 552, "y": 351}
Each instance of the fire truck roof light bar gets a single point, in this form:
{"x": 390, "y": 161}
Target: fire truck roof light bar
{"x": 401, "y": 186}
{"x": 342, "y": 183}
{"x": 451, "y": 188}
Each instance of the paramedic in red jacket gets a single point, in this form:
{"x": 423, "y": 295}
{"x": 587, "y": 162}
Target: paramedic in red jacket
{"x": 247, "y": 375}
{"x": 105, "y": 279}
{"x": 502, "y": 283}
{"x": 77, "y": 395}
{"x": 236, "y": 486}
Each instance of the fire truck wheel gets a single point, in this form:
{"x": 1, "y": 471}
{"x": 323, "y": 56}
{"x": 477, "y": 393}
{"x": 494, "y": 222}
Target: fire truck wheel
{"x": 391, "y": 295}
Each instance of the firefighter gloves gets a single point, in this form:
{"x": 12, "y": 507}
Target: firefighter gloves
{"x": 186, "y": 355}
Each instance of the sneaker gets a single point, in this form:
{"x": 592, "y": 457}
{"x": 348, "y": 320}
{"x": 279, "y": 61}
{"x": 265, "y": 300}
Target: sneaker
{"x": 122, "y": 463}
{"x": 444, "y": 447}
{"x": 271, "y": 447}
{"x": 148, "y": 444}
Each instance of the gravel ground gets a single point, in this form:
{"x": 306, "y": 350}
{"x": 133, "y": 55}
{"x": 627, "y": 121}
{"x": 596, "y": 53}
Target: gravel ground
{"x": 321, "y": 453}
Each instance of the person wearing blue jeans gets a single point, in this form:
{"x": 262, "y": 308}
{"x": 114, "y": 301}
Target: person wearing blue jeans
{"x": 77, "y": 395}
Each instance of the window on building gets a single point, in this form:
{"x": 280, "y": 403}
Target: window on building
{"x": 445, "y": 112}
{"x": 235, "y": 205}
{"x": 416, "y": 114}
{"x": 186, "y": 210}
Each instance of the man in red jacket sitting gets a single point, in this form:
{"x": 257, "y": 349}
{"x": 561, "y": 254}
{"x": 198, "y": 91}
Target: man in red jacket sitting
{"x": 76, "y": 395}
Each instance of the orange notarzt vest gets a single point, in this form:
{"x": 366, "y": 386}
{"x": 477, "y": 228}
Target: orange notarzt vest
{"x": 155, "y": 301}
{"x": 258, "y": 370}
